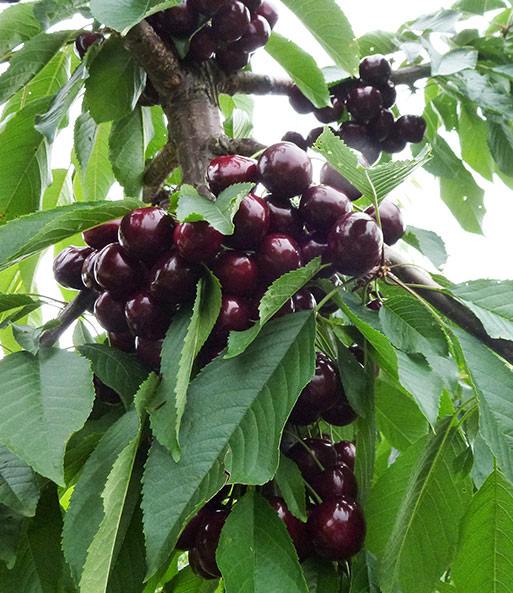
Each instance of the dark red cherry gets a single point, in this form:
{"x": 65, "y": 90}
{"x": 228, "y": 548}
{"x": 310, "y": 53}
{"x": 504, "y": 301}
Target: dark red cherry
{"x": 197, "y": 242}
{"x": 375, "y": 305}
{"x": 393, "y": 143}
{"x": 375, "y": 69}
{"x": 313, "y": 135}
{"x": 337, "y": 528}
{"x": 355, "y": 244}
{"x": 311, "y": 454}
{"x": 299, "y": 102}
{"x": 67, "y": 266}
{"x": 173, "y": 280}
{"x": 381, "y": 126}
{"x": 341, "y": 414}
{"x": 269, "y": 12}
{"x": 312, "y": 246}
{"x": 203, "y": 45}
{"x": 84, "y": 41}
{"x": 357, "y": 136}
{"x": 207, "y": 541}
{"x": 364, "y": 103}
{"x": 304, "y": 300}
{"x": 87, "y": 272}
{"x": 230, "y": 23}
{"x": 327, "y": 115}
{"x": 187, "y": 539}
{"x": 256, "y": 35}
{"x": 181, "y": 20}
{"x": 231, "y": 58}
{"x": 117, "y": 272}
{"x": 209, "y": 352}
{"x": 224, "y": 171}
{"x": 251, "y": 224}
{"x": 346, "y": 452}
{"x": 388, "y": 93}
{"x": 146, "y": 317}
{"x": 285, "y": 170}
{"x": 342, "y": 88}
{"x": 411, "y": 128}
{"x": 296, "y": 139}
{"x": 329, "y": 176}
{"x": 149, "y": 352}
{"x": 237, "y": 272}
{"x": 123, "y": 341}
{"x": 296, "y": 528}
{"x": 110, "y": 314}
{"x": 104, "y": 393}
{"x": 209, "y": 7}
{"x": 146, "y": 232}
{"x": 337, "y": 480}
{"x": 235, "y": 315}
{"x": 196, "y": 568}
{"x": 284, "y": 217}
{"x": 321, "y": 206}
{"x": 392, "y": 221}
{"x": 100, "y": 236}
{"x": 277, "y": 255}
{"x": 253, "y": 5}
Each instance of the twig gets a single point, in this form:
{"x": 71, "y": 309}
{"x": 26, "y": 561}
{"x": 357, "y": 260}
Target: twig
{"x": 224, "y": 145}
{"x": 158, "y": 171}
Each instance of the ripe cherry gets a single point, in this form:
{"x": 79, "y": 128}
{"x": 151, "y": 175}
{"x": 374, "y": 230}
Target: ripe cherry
{"x": 100, "y": 236}
{"x": 277, "y": 255}
{"x": 375, "y": 69}
{"x": 299, "y": 102}
{"x": 296, "y": 528}
{"x": 230, "y": 23}
{"x": 147, "y": 318}
{"x": 304, "y": 300}
{"x": 312, "y": 246}
{"x": 203, "y": 45}
{"x": 187, "y": 539}
{"x": 356, "y": 136}
{"x": 313, "y": 135}
{"x": 173, "y": 280}
{"x": 392, "y": 221}
{"x": 67, "y": 266}
{"x": 181, "y": 20}
{"x": 285, "y": 170}
{"x": 381, "y": 126}
{"x": 321, "y": 206}
{"x": 207, "y": 541}
{"x": 256, "y": 35}
{"x": 224, "y": 171}
{"x": 269, "y": 12}
{"x": 123, "y": 341}
{"x": 346, "y": 452}
{"x": 87, "y": 273}
{"x": 197, "y": 242}
{"x": 84, "y": 41}
{"x": 110, "y": 314}
{"x": 341, "y": 414}
{"x": 337, "y": 480}
{"x": 337, "y": 528}
{"x": 329, "y": 176}
{"x": 296, "y": 139}
{"x": 253, "y": 5}
{"x": 149, "y": 352}
{"x": 251, "y": 223}
{"x": 146, "y": 232}
{"x": 364, "y": 103}
{"x": 388, "y": 93}
{"x": 235, "y": 315}
{"x": 393, "y": 143}
{"x": 311, "y": 454}
{"x": 237, "y": 272}
{"x": 284, "y": 217}
{"x": 355, "y": 244}
{"x": 231, "y": 58}
{"x": 410, "y": 128}
{"x": 196, "y": 567}
{"x": 332, "y": 113}
{"x": 117, "y": 272}
{"x": 104, "y": 393}
{"x": 209, "y": 7}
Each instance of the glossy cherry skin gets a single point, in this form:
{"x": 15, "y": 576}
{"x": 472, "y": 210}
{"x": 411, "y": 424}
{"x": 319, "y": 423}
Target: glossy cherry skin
{"x": 173, "y": 280}
{"x": 341, "y": 414}
{"x": 269, "y": 12}
{"x": 196, "y": 567}
{"x": 285, "y": 170}
{"x": 251, "y": 224}
{"x": 230, "y": 23}
{"x": 235, "y": 315}
{"x": 197, "y": 242}
{"x": 329, "y": 176}
{"x": 304, "y": 300}
{"x": 203, "y": 45}
{"x": 321, "y": 206}
{"x": 356, "y": 135}
{"x": 296, "y": 139}
{"x": 375, "y": 305}
{"x": 319, "y": 395}
{"x": 231, "y": 58}
{"x": 110, "y": 313}
{"x": 123, "y": 341}
{"x": 337, "y": 480}
{"x": 346, "y": 452}
{"x": 392, "y": 221}
{"x": 299, "y": 102}
{"x": 296, "y": 528}
{"x": 375, "y": 69}
{"x": 284, "y": 217}
{"x": 364, "y": 103}
{"x": 187, "y": 539}
{"x": 381, "y": 126}
{"x": 355, "y": 244}
{"x": 146, "y": 317}
{"x": 305, "y": 456}
{"x": 181, "y": 20}
{"x": 207, "y": 541}
{"x": 327, "y": 115}
{"x": 224, "y": 171}
{"x": 388, "y": 93}
{"x": 87, "y": 273}
{"x": 84, "y": 41}
{"x": 253, "y": 5}
{"x": 209, "y": 7}
{"x": 117, "y": 272}
{"x": 313, "y": 135}
{"x": 146, "y": 232}
{"x": 67, "y": 266}
{"x": 256, "y": 35}
{"x": 337, "y": 528}
{"x": 149, "y": 352}
{"x": 393, "y": 143}
{"x": 277, "y": 255}
{"x": 100, "y": 236}
{"x": 237, "y": 272}
{"x": 411, "y": 128}
{"x": 312, "y": 246}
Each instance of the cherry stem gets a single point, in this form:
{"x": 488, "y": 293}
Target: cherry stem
{"x": 312, "y": 492}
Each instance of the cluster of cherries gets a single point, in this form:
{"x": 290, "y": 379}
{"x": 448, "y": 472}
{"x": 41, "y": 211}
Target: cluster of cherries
{"x": 372, "y": 127}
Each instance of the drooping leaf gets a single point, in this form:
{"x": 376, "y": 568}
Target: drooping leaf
{"x": 17, "y": 25}
{"x": 124, "y": 16}
{"x": 363, "y": 574}
{"x": 428, "y": 243}
{"x": 500, "y": 141}
{"x": 453, "y": 61}
{"x": 12, "y": 526}
{"x": 465, "y": 200}
{"x": 18, "y": 485}
{"x": 473, "y": 140}
{"x": 186, "y": 581}
{"x": 292, "y": 487}
{"x": 441, "y": 21}
{"x": 98, "y": 176}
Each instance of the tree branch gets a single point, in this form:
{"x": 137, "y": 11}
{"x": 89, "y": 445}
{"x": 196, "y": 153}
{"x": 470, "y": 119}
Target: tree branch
{"x": 224, "y": 145}
{"x": 411, "y": 74}
{"x": 158, "y": 171}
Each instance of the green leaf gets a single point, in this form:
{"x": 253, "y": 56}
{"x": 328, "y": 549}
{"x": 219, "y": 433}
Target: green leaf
{"x": 119, "y": 370}
{"x": 484, "y": 562}
{"x": 17, "y": 25}
{"x": 442, "y": 21}
{"x": 377, "y": 42}
{"x": 329, "y": 25}
{"x": 292, "y": 487}
{"x": 219, "y": 213}
{"x": 453, "y": 61}
{"x": 128, "y": 140}
{"x": 320, "y": 575}
{"x": 123, "y": 17}
{"x": 500, "y": 141}
{"x": 47, "y": 402}
{"x": 188, "y": 582}
{"x": 354, "y": 381}
{"x": 11, "y": 527}
{"x": 428, "y": 243}
{"x": 218, "y": 436}
{"x": 480, "y": 89}
{"x": 18, "y": 485}
{"x": 473, "y": 141}
{"x": 115, "y": 82}
{"x": 365, "y": 442}
{"x": 26, "y": 236}
{"x": 98, "y": 176}
{"x": 255, "y": 553}
{"x": 84, "y": 138}
{"x": 465, "y": 200}
{"x": 478, "y": 6}
{"x": 13, "y": 301}
{"x": 301, "y": 67}
{"x": 363, "y": 574}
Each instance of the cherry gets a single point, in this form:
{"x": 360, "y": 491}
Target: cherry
{"x": 117, "y": 272}
{"x": 172, "y": 280}
{"x": 296, "y": 139}
{"x": 329, "y": 176}
{"x": 321, "y": 206}
{"x": 313, "y": 135}
{"x": 232, "y": 58}
{"x": 269, "y": 12}
{"x": 337, "y": 528}
{"x": 230, "y": 23}
{"x": 342, "y": 88}
{"x": 146, "y": 232}
{"x": 356, "y": 136}
{"x": 355, "y": 244}
{"x": 149, "y": 352}
{"x": 296, "y": 528}
{"x": 287, "y": 308}
{"x": 187, "y": 540}
{"x": 181, "y": 20}
{"x": 237, "y": 272}
{"x": 146, "y": 317}
{"x": 197, "y": 242}
{"x": 209, "y": 352}
{"x": 341, "y": 414}
{"x": 123, "y": 341}
{"x": 327, "y": 115}
{"x": 194, "y": 563}
{"x": 381, "y": 126}
{"x": 209, "y": 7}
{"x": 285, "y": 170}
{"x": 84, "y": 41}
{"x": 284, "y": 217}
{"x": 67, "y": 266}
{"x": 319, "y": 395}
{"x": 277, "y": 255}
{"x": 251, "y": 223}
{"x": 337, "y": 480}
{"x": 110, "y": 314}
{"x": 410, "y": 128}
{"x": 256, "y": 35}
{"x": 310, "y": 453}
{"x": 203, "y": 45}
{"x": 207, "y": 541}
{"x": 364, "y": 103}
{"x": 375, "y": 69}
{"x": 253, "y": 5}
{"x": 388, "y": 93}
{"x": 312, "y": 246}
{"x": 299, "y": 102}
{"x": 100, "y": 236}
{"x": 235, "y": 315}
{"x": 224, "y": 171}
{"x": 374, "y": 305}
{"x": 392, "y": 221}
{"x": 104, "y": 393}
{"x": 87, "y": 272}
{"x": 304, "y": 300}
{"x": 346, "y": 452}
{"x": 393, "y": 143}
